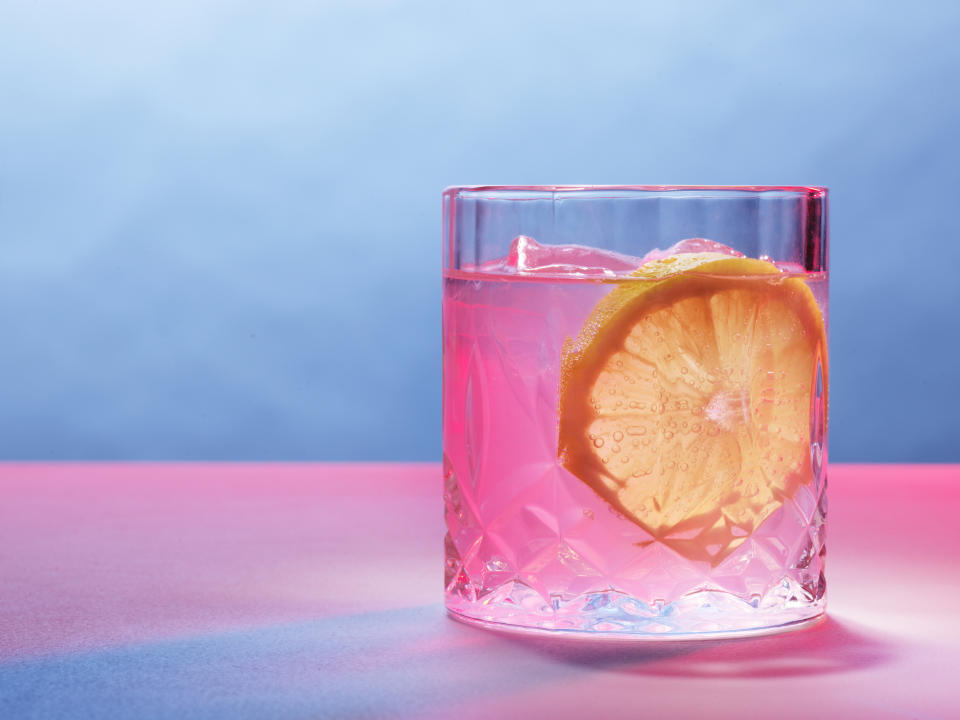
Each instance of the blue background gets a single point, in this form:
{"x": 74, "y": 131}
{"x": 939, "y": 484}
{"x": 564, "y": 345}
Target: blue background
{"x": 219, "y": 221}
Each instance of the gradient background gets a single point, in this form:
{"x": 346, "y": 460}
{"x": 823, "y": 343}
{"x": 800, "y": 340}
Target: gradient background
{"x": 220, "y": 221}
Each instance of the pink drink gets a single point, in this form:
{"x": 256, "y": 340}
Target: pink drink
{"x": 531, "y": 545}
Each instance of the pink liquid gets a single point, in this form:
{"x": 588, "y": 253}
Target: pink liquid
{"x": 530, "y": 544}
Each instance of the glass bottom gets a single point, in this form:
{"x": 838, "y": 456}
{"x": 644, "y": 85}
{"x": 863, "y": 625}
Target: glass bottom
{"x": 704, "y": 616}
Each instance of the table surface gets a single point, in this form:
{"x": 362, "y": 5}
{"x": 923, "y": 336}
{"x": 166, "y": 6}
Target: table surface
{"x": 311, "y": 591}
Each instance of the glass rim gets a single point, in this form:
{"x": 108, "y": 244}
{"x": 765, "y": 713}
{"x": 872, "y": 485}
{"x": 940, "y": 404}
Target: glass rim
{"x": 811, "y": 191}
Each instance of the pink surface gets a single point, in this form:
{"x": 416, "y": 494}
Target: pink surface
{"x": 314, "y": 591}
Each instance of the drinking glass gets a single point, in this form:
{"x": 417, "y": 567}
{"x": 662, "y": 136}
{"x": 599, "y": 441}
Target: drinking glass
{"x": 635, "y": 408}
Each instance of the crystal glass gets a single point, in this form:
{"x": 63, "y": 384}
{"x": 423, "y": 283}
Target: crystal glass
{"x": 634, "y": 408}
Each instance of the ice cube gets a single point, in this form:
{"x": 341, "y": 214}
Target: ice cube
{"x": 786, "y": 267}
{"x": 691, "y": 245}
{"x": 527, "y": 256}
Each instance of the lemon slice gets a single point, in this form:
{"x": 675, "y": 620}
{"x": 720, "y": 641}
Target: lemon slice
{"x": 686, "y": 400}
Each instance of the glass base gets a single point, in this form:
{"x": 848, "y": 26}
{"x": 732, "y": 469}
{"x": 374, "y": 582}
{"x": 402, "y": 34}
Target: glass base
{"x": 706, "y": 615}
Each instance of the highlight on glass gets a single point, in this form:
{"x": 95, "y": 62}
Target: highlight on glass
{"x": 635, "y": 408}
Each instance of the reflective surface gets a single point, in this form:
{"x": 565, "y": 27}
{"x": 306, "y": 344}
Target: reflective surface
{"x": 310, "y": 591}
